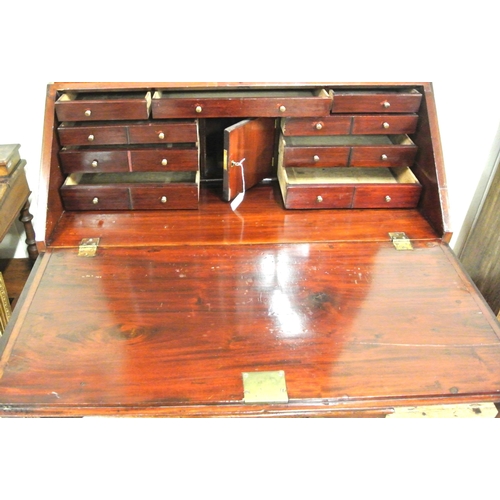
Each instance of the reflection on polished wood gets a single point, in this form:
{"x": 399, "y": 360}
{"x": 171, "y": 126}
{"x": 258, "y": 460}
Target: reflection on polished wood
{"x": 169, "y": 331}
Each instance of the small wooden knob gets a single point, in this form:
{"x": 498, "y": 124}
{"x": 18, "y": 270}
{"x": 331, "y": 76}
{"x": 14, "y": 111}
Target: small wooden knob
{"x": 163, "y": 199}
{"x": 164, "y": 162}
{"x": 91, "y": 137}
{"x": 383, "y": 157}
{"x": 318, "y": 126}
{"x": 386, "y": 104}
{"x": 161, "y": 136}
{"x": 95, "y": 163}
{"x": 95, "y": 201}
{"x": 88, "y": 112}
{"x": 385, "y": 125}
{"x": 387, "y": 199}
{"x": 316, "y": 158}
{"x": 198, "y": 109}
{"x": 319, "y": 199}
{"x": 282, "y": 109}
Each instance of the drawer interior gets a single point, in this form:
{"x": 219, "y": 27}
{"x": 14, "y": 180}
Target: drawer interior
{"x": 348, "y": 140}
{"x": 102, "y": 179}
{"x": 239, "y": 94}
{"x": 351, "y": 175}
{"x": 103, "y": 96}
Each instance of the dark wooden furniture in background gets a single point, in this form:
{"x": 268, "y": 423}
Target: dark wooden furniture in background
{"x": 155, "y": 296}
{"x": 481, "y": 252}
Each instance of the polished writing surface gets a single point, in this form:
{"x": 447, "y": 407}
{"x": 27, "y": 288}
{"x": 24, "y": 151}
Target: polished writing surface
{"x": 170, "y": 330}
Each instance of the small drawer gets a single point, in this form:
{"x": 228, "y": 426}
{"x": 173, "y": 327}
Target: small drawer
{"x": 163, "y": 132}
{"x": 254, "y": 103}
{"x": 81, "y": 197}
{"x": 349, "y": 188}
{"x": 306, "y": 151}
{"x": 396, "y": 151}
{"x": 71, "y": 134}
{"x": 96, "y": 106}
{"x": 384, "y": 124}
{"x": 82, "y": 159}
{"x": 326, "y": 125}
{"x": 166, "y": 159}
{"x": 166, "y": 197}
{"x": 376, "y": 102}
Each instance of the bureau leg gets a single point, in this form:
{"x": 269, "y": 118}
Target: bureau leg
{"x": 26, "y": 218}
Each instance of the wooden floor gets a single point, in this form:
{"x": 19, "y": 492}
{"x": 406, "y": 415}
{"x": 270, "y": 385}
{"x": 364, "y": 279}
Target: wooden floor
{"x": 15, "y": 273}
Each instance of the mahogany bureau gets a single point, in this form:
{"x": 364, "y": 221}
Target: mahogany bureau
{"x": 246, "y": 249}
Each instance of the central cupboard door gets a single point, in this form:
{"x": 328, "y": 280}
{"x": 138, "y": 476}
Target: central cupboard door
{"x": 249, "y": 150}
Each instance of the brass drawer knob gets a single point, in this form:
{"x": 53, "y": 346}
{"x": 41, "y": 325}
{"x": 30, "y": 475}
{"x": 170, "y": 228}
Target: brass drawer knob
{"x": 164, "y": 162}
{"x": 95, "y": 163}
{"x": 282, "y": 109}
{"x": 383, "y": 157}
{"x": 316, "y": 158}
{"x": 95, "y": 201}
{"x": 386, "y": 104}
{"x": 163, "y": 199}
{"x": 385, "y": 125}
{"x": 319, "y": 199}
{"x": 318, "y": 126}
{"x": 198, "y": 109}
{"x": 91, "y": 137}
{"x": 88, "y": 112}
{"x": 387, "y": 199}
{"x": 161, "y": 136}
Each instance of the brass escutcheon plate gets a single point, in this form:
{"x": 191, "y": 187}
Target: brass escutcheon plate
{"x": 265, "y": 387}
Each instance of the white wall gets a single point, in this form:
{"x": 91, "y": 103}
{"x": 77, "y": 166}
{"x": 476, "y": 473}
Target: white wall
{"x": 454, "y": 46}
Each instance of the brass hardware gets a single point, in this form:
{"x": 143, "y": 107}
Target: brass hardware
{"x": 386, "y": 104}
{"x": 385, "y": 125}
{"x": 95, "y": 201}
{"x": 88, "y": 247}
{"x": 316, "y": 158}
{"x": 91, "y": 137}
{"x": 5, "y": 307}
{"x": 198, "y": 109}
{"x": 401, "y": 241}
{"x": 384, "y": 157}
{"x": 164, "y": 162}
{"x": 282, "y": 109}
{"x": 387, "y": 199}
{"x": 88, "y": 112}
{"x": 161, "y": 136}
{"x": 95, "y": 163}
{"x": 163, "y": 199}
{"x": 319, "y": 199}
{"x": 465, "y": 410}
{"x": 265, "y": 387}
{"x": 319, "y": 126}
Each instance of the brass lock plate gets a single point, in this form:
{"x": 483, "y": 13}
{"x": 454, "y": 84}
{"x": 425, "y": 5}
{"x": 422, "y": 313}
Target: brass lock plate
{"x": 88, "y": 247}
{"x": 265, "y": 387}
{"x": 401, "y": 241}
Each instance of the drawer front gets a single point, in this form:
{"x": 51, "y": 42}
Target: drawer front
{"x": 364, "y": 102}
{"x": 192, "y": 107}
{"x": 163, "y": 132}
{"x": 93, "y": 161}
{"x": 384, "y": 124}
{"x": 316, "y": 156}
{"x": 165, "y": 197}
{"x": 328, "y": 125}
{"x": 185, "y": 159}
{"x": 387, "y": 196}
{"x": 382, "y": 156}
{"x": 87, "y": 107}
{"x": 92, "y": 135}
{"x": 309, "y": 197}
{"x": 95, "y": 198}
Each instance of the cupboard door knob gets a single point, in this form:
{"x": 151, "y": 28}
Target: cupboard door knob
{"x": 386, "y": 104}
{"x": 383, "y": 157}
{"x": 387, "y": 199}
{"x": 161, "y": 136}
{"x": 88, "y": 112}
{"x": 91, "y": 137}
{"x": 385, "y": 125}
{"x": 318, "y": 126}
{"x": 198, "y": 109}
{"x": 319, "y": 199}
{"x": 163, "y": 199}
{"x": 282, "y": 109}
{"x": 95, "y": 163}
{"x": 164, "y": 162}
{"x": 316, "y": 158}
{"x": 95, "y": 201}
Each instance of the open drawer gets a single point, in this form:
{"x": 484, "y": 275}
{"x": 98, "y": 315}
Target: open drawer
{"x": 304, "y": 188}
{"x": 86, "y": 106}
{"x": 348, "y": 151}
{"x": 131, "y": 191}
{"x": 241, "y": 103}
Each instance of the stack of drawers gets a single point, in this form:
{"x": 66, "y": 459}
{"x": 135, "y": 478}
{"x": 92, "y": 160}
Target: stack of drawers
{"x": 114, "y": 157}
{"x": 358, "y": 157}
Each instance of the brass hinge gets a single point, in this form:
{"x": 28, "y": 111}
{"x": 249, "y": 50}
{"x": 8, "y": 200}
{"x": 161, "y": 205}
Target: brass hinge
{"x": 401, "y": 241}
{"x": 88, "y": 247}
{"x": 484, "y": 410}
{"x": 265, "y": 387}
